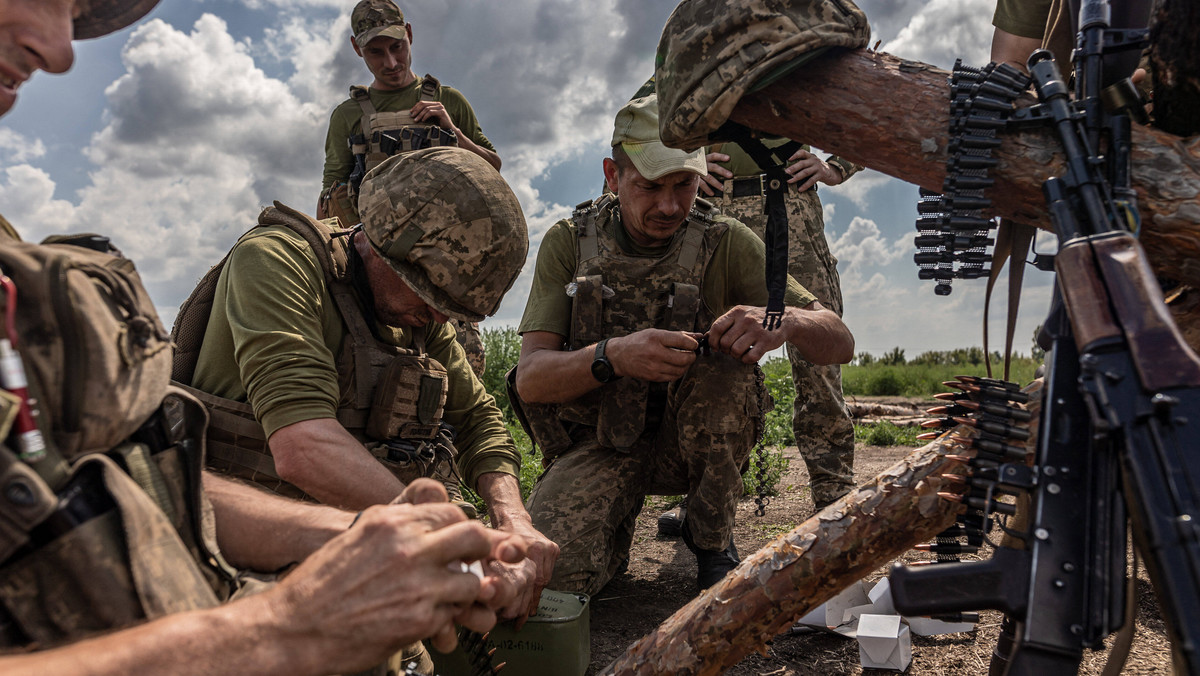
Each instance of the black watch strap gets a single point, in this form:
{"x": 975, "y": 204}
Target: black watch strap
{"x": 602, "y": 368}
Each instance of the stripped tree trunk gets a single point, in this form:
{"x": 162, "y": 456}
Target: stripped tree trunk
{"x": 802, "y": 569}
{"x": 892, "y": 115}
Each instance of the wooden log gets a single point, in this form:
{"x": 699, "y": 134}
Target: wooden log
{"x": 892, "y": 115}
{"x": 802, "y": 569}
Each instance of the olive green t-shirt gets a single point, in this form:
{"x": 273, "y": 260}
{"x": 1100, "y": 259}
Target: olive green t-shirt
{"x": 734, "y": 275}
{"x": 1023, "y": 18}
{"x": 346, "y": 121}
{"x": 273, "y": 335}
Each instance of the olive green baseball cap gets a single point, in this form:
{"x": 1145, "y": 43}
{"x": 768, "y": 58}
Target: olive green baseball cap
{"x": 101, "y": 17}
{"x": 372, "y": 18}
{"x": 448, "y": 224}
{"x": 636, "y": 131}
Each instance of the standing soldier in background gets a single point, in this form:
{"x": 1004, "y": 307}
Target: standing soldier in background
{"x": 398, "y": 113}
{"x": 117, "y": 551}
{"x": 820, "y": 420}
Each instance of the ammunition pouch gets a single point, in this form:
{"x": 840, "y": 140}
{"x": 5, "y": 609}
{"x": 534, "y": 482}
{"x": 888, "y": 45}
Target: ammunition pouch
{"x": 410, "y": 459}
{"x": 410, "y": 398}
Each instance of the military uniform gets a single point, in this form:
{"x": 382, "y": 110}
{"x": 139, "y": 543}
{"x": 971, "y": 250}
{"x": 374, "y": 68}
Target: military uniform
{"x": 630, "y": 438}
{"x": 820, "y": 420}
{"x": 289, "y": 338}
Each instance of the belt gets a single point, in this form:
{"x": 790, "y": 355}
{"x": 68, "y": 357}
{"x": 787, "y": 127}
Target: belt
{"x": 753, "y": 185}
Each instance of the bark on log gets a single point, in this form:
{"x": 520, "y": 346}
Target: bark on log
{"x": 892, "y": 115}
{"x": 802, "y": 569}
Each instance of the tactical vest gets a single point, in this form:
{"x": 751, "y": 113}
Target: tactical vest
{"x": 105, "y": 525}
{"x": 615, "y": 294}
{"x": 388, "y": 393}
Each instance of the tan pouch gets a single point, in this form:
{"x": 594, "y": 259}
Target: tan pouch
{"x": 409, "y": 400}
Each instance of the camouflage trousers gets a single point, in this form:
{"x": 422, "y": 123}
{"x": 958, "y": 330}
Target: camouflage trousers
{"x": 472, "y": 343}
{"x": 820, "y": 420}
{"x": 588, "y": 499}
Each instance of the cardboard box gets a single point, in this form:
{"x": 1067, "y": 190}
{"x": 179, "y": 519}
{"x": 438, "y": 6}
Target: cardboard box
{"x": 832, "y": 613}
{"x": 556, "y": 640}
{"x": 884, "y": 642}
{"x": 924, "y": 626}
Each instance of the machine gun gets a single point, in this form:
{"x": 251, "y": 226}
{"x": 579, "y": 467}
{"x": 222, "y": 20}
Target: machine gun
{"x": 1120, "y": 422}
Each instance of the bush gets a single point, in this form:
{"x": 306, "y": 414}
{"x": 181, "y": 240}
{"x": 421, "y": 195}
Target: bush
{"x": 887, "y": 434}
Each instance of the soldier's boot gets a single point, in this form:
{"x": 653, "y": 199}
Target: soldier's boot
{"x": 825, "y": 494}
{"x": 711, "y": 566}
{"x": 443, "y": 469}
{"x": 670, "y": 522}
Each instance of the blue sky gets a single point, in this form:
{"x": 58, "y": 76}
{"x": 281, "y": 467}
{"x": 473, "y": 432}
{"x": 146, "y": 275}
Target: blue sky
{"x": 171, "y": 135}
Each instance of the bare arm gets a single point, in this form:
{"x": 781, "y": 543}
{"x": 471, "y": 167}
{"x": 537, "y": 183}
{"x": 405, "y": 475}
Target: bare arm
{"x": 434, "y": 111}
{"x": 817, "y": 332}
{"x": 345, "y": 608}
{"x": 548, "y": 374}
{"x": 262, "y": 531}
{"x": 322, "y": 459}
{"x": 1013, "y": 49}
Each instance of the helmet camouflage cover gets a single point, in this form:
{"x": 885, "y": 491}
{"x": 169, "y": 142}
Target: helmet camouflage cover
{"x": 449, "y": 225}
{"x": 714, "y": 52}
{"x": 101, "y": 17}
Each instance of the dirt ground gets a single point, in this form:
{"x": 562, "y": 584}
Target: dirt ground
{"x": 661, "y": 579}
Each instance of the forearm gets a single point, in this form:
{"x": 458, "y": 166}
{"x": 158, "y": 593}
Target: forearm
{"x": 549, "y": 376}
{"x": 492, "y": 157}
{"x": 322, "y": 459}
{"x": 819, "y": 335}
{"x": 1013, "y": 49}
{"x": 262, "y": 531}
{"x": 237, "y": 638}
{"x": 502, "y": 494}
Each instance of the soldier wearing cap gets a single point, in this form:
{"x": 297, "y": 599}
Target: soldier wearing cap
{"x": 118, "y": 578}
{"x": 613, "y": 381}
{"x": 326, "y": 361}
{"x": 398, "y": 113}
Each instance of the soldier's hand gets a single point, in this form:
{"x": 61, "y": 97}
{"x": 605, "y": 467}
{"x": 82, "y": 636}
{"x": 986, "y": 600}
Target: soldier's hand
{"x": 806, "y": 169}
{"x": 394, "y": 578}
{"x": 531, "y": 576}
{"x": 714, "y": 183}
{"x": 433, "y": 112}
{"x": 739, "y": 333}
{"x": 653, "y": 354}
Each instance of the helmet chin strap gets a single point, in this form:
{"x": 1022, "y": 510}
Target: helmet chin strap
{"x": 773, "y": 162}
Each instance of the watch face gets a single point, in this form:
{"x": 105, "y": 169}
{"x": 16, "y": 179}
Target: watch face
{"x": 602, "y": 370}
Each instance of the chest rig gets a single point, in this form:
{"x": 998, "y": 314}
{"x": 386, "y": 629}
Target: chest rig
{"x": 387, "y": 394}
{"x": 615, "y": 294}
{"x": 386, "y": 134}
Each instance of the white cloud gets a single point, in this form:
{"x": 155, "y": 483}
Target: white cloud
{"x": 943, "y": 30}
{"x": 17, "y": 148}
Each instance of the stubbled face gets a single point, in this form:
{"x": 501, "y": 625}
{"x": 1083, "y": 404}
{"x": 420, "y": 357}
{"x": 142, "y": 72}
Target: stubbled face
{"x": 34, "y": 35}
{"x": 396, "y": 304}
{"x": 652, "y": 211}
{"x": 389, "y": 60}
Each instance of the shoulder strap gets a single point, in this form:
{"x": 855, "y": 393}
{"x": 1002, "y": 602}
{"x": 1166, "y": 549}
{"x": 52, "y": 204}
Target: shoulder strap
{"x": 586, "y": 219}
{"x": 363, "y": 97}
{"x": 431, "y": 89}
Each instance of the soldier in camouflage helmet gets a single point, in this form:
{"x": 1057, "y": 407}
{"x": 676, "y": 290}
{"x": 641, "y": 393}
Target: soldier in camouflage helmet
{"x": 326, "y": 360}
{"x": 125, "y": 553}
{"x": 398, "y": 113}
{"x": 613, "y": 381}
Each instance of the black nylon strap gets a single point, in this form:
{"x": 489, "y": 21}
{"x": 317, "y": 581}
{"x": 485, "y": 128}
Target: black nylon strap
{"x": 773, "y": 162}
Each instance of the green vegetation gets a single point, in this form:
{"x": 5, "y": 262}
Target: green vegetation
{"x": 892, "y": 374}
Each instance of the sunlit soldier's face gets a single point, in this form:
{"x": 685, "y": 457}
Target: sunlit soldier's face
{"x": 652, "y": 211}
{"x": 34, "y": 35}
{"x": 389, "y": 60}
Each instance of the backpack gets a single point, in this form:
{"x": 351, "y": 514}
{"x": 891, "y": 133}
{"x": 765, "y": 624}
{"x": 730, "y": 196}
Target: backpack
{"x": 96, "y": 355}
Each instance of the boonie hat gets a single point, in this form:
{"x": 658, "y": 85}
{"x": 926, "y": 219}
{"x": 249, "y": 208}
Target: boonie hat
{"x": 101, "y": 17}
{"x": 372, "y": 18}
{"x": 636, "y": 131}
{"x": 714, "y": 52}
{"x": 448, "y": 224}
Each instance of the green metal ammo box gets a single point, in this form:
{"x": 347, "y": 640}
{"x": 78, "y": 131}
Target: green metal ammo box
{"x": 556, "y": 640}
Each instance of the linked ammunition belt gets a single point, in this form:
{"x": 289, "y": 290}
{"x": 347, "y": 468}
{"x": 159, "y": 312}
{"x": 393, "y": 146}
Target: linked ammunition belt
{"x": 953, "y": 235}
{"x": 992, "y": 408}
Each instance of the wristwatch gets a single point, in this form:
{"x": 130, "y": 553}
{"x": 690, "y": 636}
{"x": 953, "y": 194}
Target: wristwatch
{"x": 602, "y": 368}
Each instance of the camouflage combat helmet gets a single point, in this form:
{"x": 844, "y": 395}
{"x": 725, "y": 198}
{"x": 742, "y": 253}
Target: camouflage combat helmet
{"x": 101, "y": 17}
{"x": 449, "y": 225}
{"x": 714, "y": 52}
